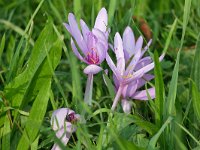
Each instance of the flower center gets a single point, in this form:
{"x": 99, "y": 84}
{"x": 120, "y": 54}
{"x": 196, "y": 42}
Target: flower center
{"x": 71, "y": 117}
{"x": 92, "y": 56}
{"x": 127, "y": 76}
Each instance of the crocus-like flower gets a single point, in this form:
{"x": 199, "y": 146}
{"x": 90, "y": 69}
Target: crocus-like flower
{"x": 93, "y": 45}
{"x": 130, "y": 72}
{"x": 62, "y": 123}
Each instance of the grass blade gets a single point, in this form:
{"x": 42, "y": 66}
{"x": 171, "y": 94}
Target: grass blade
{"x": 154, "y": 139}
{"x": 160, "y": 92}
{"x": 196, "y": 100}
{"x": 111, "y": 11}
{"x": 2, "y": 47}
{"x": 39, "y": 106}
{"x": 6, "y": 134}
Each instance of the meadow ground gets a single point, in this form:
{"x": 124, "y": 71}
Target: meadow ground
{"x": 39, "y": 73}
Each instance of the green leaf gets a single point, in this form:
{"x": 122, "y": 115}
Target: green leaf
{"x": 2, "y": 47}
{"x": 109, "y": 85}
{"x": 6, "y": 134}
{"x": 186, "y": 16}
{"x": 130, "y": 145}
{"x": 154, "y": 139}
{"x": 36, "y": 117}
{"x": 195, "y": 73}
{"x": 186, "y": 131}
{"x": 16, "y": 90}
{"x": 39, "y": 106}
{"x": 173, "y": 88}
{"x": 111, "y": 11}
{"x": 121, "y": 120}
{"x": 14, "y": 64}
{"x": 77, "y": 8}
{"x": 160, "y": 92}
{"x": 196, "y": 100}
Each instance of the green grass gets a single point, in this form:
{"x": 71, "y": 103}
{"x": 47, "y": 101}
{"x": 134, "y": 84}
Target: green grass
{"x": 39, "y": 74}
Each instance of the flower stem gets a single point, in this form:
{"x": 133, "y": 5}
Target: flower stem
{"x": 88, "y": 90}
{"x": 117, "y": 98}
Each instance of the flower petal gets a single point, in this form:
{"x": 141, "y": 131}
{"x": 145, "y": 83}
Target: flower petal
{"x": 133, "y": 63}
{"x": 143, "y": 62}
{"x": 100, "y": 37}
{"x": 92, "y": 69}
{"x": 146, "y": 47}
{"x": 132, "y": 87}
{"x": 76, "y": 51}
{"x": 116, "y": 81}
{"x": 101, "y": 20}
{"x": 58, "y": 118}
{"x": 67, "y": 27}
{"x": 76, "y": 33}
{"x": 113, "y": 67}
{"x": 128, "y": 42}
{"x": 85, "y": 29}
{"x": 126, "y": 105}
{"x": 150, "y": 66}
{"x": 145, "y": 78}
{"x": 142, "y": 95}
{"x": 101, "y": 50}
{"x": 139, "y": 73}
{"x": 118, "y": 47}
{"x": 138, "y": 45}
{"x": 136, "y": 75}
{"x": 63, "y": 136}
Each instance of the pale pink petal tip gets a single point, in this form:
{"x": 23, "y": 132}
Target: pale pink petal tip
{"x": 92, "y": 69}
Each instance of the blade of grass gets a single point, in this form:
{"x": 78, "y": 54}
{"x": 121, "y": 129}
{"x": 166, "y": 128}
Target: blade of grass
{"x": 196, "y": 100}
{"x": 6, "y": 134}
{"x": 186, "y": 131}
{"x": 2, "y": 47}
{"x": 160, "y": 92}
{"x": 77, "y": 8}
{"x": 16, "y": 91}
{"x": 154, "y": 139}
{"x": 195, "y": 73}
{"x": 39, "y": 106}
{"x": 14, "y": 64}
{"x": 16, "y": 29}
{"x": 111, "y": 11}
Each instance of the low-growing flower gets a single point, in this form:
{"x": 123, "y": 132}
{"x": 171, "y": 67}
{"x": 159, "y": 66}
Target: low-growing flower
{"x": 131, "y": 71}
{"x": 62, "y": 123}
{"x": 93, "y": 45}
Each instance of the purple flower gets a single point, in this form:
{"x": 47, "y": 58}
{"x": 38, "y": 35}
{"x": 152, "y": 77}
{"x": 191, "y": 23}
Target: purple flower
{"x": 62, "y": 123}
{"x": 131, "y": 71}
{"x": 93, "y": 45}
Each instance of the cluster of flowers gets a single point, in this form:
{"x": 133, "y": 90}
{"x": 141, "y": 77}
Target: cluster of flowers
{"x": 129, "y": 74}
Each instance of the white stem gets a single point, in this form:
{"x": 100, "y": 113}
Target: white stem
{"x": 88, "y": 90}
{"x": 117, "y": 98}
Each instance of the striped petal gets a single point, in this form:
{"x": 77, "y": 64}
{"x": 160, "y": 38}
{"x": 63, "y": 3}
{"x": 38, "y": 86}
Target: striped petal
{"x": 101, "y": 20}
{"x": 142, "y": 95}
{"x": 128, "y": 42}
{"x": 76, "y": 33}
{"x": 76, "y": 51}
{"x": 85, "y": 30}
{"x": 118, "y": 47}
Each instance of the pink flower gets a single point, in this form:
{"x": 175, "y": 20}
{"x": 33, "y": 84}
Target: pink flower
{"x": 62, "y": 123}
{"x": 131, "y": 71}
{"x": 93, "y": 45}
